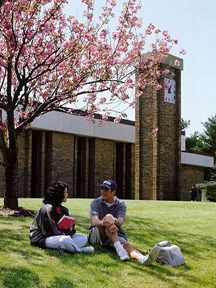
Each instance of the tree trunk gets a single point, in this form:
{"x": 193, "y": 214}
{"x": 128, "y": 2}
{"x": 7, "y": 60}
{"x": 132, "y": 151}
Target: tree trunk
{"x": 11, "y": 182}
{"x": 8, "y": 142}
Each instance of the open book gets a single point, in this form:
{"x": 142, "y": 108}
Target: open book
{"x": 66, "y": 222}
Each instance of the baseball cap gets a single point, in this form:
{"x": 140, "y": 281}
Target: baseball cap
{"x": 109, "y": 184}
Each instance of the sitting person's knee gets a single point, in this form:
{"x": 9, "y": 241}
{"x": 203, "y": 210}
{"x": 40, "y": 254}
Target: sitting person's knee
{"x": 66, "y": 243}
{"x": 108, "y": 220}
{"x": 109, "y": 216}
{"x": 83, "y": 239}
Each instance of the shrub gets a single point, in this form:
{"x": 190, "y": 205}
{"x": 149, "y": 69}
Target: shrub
{"x": 211, "y": 193}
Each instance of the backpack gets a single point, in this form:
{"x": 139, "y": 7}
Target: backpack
{"x": 170, "y": 254}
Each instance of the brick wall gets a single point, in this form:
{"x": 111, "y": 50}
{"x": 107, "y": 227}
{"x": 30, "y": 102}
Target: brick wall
{"x": 58, "y": 160}
{"x": 105, "y": 164}
{"x": 133, "y": 195}
{"x": 190, "y": 175}
{"x": 145, "y": 146}
{"x": 158, "y": 140}
{"x": 169, "y": 145}
{"x": 24, "y": 163}
{"x": 63, "y": 158}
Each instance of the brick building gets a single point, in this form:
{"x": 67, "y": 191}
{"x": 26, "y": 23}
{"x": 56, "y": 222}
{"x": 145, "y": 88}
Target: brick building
{"x": 146, "y": 157}
{"x": 67, "y": 147}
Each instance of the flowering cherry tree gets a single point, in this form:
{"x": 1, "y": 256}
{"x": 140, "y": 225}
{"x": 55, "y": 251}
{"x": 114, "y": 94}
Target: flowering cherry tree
{"x": 50, "y": 61}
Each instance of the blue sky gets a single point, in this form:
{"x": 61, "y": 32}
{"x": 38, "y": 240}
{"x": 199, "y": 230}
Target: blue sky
{"x": 193, "y": 23}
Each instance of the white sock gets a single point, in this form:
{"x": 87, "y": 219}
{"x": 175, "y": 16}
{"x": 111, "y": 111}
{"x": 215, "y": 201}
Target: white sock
{"x": 120, "y": 249}
{"x": 143, "y": 258}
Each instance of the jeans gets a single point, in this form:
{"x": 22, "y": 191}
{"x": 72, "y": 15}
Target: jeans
{"x": 68, "y": 243}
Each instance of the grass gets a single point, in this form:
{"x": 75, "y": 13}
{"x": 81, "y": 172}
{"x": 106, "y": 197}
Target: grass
{"x": 189, "y": 225}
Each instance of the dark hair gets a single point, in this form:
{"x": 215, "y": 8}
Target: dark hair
{"x": 55, "y": 193}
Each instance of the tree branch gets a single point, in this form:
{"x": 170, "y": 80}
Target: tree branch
{"x": 3, "y": 106}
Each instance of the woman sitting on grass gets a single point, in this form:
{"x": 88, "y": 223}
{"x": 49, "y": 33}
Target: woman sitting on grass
{"x": 44, "y": 230}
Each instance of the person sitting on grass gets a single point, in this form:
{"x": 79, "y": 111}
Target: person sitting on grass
{"x": 107, "y": 215}
{"x": 44, "y": 230}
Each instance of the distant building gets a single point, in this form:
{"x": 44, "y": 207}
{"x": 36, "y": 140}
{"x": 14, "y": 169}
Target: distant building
{"x": 69, "y": 148}
{"x": 146, "y": 157}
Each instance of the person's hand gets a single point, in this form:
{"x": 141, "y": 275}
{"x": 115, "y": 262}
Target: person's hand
{"x": 113, "y": 228}
{"x": 108, "y": 220}
{"x": 72, "y": 227}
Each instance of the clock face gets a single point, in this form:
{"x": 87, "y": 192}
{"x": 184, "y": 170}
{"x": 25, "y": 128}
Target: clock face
{"x": 170, "y": 90}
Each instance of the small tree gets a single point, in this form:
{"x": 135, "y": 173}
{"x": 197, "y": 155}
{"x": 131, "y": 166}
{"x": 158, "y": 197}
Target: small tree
{"x": 210, "y": 142}
{"x": 49, "y": 61}
{"x": 196, "y": 143}
{"x": 185, "y": 124}
{"x": 211, "y": 193}
{"x": 210, "y": 134}
{"x": 205, "y": 142}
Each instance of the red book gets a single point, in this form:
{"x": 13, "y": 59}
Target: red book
{"x": 66, "y": 222}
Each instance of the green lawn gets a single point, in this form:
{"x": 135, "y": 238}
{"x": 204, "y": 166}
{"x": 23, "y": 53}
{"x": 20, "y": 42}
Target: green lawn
{"x": 192, "y": 226}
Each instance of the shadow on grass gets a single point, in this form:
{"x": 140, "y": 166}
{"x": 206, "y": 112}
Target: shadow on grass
{"x": 60, "y": 282}
{"x": 142, "y": 231}
{"x": 139, "y": 231}
{"x": 15, "y": 239}
{"x": 172, "y": 275}
{"x": 18, "y": 277}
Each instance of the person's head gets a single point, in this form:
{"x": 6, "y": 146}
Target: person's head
{"x": 108, "y": 189}
{"x": 56, "y": 193}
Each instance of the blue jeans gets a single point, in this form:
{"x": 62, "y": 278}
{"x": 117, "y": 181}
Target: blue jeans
{"x": 68, "y": 243}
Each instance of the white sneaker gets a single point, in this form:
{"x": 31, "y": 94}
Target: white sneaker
{"x": 87, "y": 249}
{"x": 151, "y": 257}
{"x": 123, "y": 255}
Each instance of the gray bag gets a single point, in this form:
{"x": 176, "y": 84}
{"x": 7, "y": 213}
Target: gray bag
{"x": 170, "y": 254}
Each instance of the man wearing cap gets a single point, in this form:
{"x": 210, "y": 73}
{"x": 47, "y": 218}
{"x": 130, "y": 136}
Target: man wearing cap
{"x": 107, "y": 215}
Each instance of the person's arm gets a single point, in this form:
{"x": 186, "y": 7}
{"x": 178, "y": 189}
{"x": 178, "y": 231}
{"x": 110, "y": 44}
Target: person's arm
{"x": 65, "y": 211}
{"x": 47, "y": 224}
{"x": 95, "y": 221}
{"x": 119, "y": 221}
{"x": 71, "y": 230}
{"x": 94, "y": 214}
{"x": 99, "y": 223}
{"x": 112, "y": 223}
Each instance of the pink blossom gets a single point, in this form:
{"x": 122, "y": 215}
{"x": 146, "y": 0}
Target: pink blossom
{"x": 157, "y": 31}
{"x": 117, "y": 120}
{"x": 122, "y": 48}
{"x": 7, "y": 6}
{"x": 66, "y": 61}
{"x": 148, "y": 31}
{"x": 105, "y": 117}
{"x": 104, "y": 33}
{"x": 158, "y": 86}
{"x": 183, "y": 52}
{"x": 102, "y": 100}
{"x": 46, "y": 1}
{"x": 177, "y": 63}
{"x": 165, "y": 33}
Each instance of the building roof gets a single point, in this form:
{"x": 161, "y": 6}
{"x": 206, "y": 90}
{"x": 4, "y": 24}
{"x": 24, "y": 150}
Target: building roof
{"x": 78, "y": 125}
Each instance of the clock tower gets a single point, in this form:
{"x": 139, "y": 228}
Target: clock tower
{"x": 158, "y": 137}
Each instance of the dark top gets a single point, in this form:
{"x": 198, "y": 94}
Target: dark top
{"x": 101, "y": 209}
{"x": 45, "y": 224}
